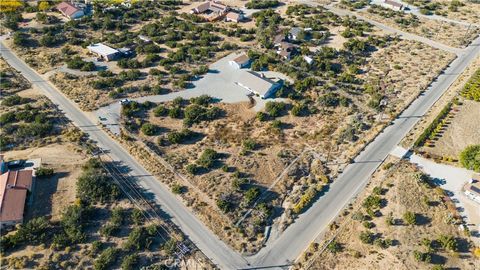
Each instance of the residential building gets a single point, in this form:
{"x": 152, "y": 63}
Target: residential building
{"x": 14, "y": 188}
{"x": 294, "y": 33}
{"x": 240, "y": 61}
{"x": 308, "y": 59}
{"x": 145, "y": 39}
{"x": 393, "y": 5}
{"x": 70, "y": 10}
{"x": 103, "y": 51}
{"x": 258, "y": 84}
{"x": 234, "y": 17}
{"x": 278, "y": 39}
{"x": 211, "y": 10}
{"x": 472, "y": 189}
{"x": 286, "y": 49}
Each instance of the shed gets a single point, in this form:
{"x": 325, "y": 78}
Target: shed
{"x": 240, "y": 61}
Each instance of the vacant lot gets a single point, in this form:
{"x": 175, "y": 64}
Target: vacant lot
{"x": 402, "y": 222}
{"x": 451, "y": 34}
{"x": 461, "y": 131}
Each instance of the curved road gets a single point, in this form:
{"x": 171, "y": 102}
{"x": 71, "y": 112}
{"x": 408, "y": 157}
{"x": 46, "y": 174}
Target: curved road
{"x": 283, "y": 250}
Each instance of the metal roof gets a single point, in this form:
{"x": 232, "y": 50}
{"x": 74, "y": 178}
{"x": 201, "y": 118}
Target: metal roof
{"x": 102, "y": 49}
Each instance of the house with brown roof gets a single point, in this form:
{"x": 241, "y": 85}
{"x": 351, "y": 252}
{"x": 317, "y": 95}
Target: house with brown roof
{"x": 211, "y": 10}
{"x": 14, "y": 188}
{"x": 285, "y": 49}
{"x": 70, "y": 10}
{"x": 240, "y": 61}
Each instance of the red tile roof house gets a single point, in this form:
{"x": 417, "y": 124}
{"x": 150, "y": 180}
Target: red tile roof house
{"x": 70, "y": 11}
{"x": 14, "y": 187}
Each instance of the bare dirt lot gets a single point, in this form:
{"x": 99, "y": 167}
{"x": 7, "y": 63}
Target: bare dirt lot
{"x": 451, "y": 34}
{"x": 395, "y": 244}
{"x": 460, "y": 133}
{"x": 52, "y": 194}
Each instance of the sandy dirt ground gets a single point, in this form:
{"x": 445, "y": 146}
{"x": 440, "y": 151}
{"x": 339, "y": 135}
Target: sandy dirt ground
{"x": 52, "y": 194}
{"x": 454, "y": 35}
{"x": 401, "y": 192}
{"x": 460, "y": 133}
{"x": 438, "y": 106}
{"x": 469, "y": 12}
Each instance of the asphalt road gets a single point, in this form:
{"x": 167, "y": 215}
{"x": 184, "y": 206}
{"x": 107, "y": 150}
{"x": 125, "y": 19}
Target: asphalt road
{"x": 214, "y": 248}
{"x": 298, "y": 236}
{"x": 289, "y": 245}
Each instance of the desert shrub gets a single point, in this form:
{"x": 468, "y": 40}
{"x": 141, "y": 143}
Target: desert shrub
{"x": 33, "y": 232}
{"x": 178, "y": 189}
{"x": 78, "y": 63}
{"x": 192, "y": 169}
{"x": 410, "y": 218}
{"x": 207, "y": 159}
{"x": 195, "y": 114}
{"x": 106, "y": 259}
{"x": 448, "y": 242}
{"x": 14, "y": 100}
{"x": 72, "y": 226}
{"x": 275, "y": 109}
{"x": 138, "y": 239}
{"x": 262, "y": 4}
{"x": 95, "y": 185}
{"x": 137, "y": 217}
{"x": 224, "y": 205}
{"x": 334, "y": 247}
{"x": 129, "y": 262}
{"x": 366, "y": 237}
{"x": 175, "y": 112}
{"x": 372, "y": 202}
{"x": 249, "y": 144}
{"x": 44, "y": 172}
{"x": 180, "y": 137}
{"x": 251, "y": 194}
{"x": 160, "y": 110}
{"x": 149, "y": 129}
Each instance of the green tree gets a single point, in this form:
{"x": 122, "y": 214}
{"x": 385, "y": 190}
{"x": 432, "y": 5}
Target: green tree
{"x": 470, "y": 157}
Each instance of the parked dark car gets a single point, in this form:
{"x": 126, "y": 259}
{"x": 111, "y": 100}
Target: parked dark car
{"x": 15, "y": 164}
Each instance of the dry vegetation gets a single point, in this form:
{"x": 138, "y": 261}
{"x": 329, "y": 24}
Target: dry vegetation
{"x": 454, "y": 35}
{"x": 433, "y": 241}
{"x": 403, "y": 69}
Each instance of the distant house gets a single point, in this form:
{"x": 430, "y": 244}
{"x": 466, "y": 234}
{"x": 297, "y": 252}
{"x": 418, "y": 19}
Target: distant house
{"x": 14, "y": 188}
{"x": 211, "y": 10}
{"x": 105, "y": 52}
{"x": 393, "y": 5}
{"x": 278, "y": 39}
{"x": 294, "y": 33}
{"x": 234, "y": 17}
{"x": 145, "y": 39}
{"x": 308, "y": 59}
{"x": 285, "y": 49}
{"x": 240, "y": 61}
{"x": 472, "y": 189}
{"x": 258, "y": 84}
{"x": 70, "y": 10}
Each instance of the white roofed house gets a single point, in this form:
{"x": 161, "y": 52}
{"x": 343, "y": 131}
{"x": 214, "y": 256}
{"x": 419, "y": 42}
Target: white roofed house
{"x": 258, "y": 84}
{"x": 105, "y": 52}
{"x": 240, "y": 61}
{"x": 472, "y": 189}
